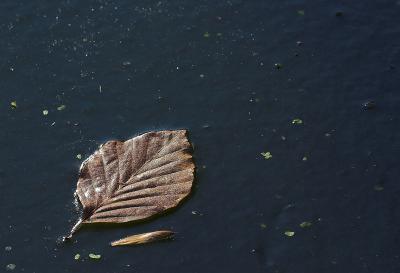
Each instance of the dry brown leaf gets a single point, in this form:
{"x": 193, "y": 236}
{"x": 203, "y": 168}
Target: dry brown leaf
{"x": 136, "y": 179}
{"x": 144, "y": 238}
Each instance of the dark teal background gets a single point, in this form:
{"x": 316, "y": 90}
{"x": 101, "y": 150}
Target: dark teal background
{"x": 157, "y": 69}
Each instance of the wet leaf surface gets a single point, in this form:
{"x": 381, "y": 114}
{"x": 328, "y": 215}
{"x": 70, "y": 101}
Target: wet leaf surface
{"x": 136, "y": 179}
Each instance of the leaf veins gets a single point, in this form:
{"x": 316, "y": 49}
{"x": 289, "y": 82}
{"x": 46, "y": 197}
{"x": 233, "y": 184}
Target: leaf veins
{"x": 136, "y": 179}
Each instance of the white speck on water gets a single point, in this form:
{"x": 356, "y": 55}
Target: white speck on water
{"x": 10, "y": 267}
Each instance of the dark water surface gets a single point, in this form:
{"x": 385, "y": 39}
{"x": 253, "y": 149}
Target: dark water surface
{"x": 124, "y": 67}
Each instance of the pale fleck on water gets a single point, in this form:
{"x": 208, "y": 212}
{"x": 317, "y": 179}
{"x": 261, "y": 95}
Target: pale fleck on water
{"x": 10, "y": 267}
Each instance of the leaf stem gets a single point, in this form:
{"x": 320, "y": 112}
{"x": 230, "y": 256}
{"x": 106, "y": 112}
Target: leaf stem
{"x": 74, "y": 229}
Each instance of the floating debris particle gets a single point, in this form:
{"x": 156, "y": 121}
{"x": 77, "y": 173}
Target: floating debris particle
{"x": 263, "y": 226}
{"x": 289, "y": 233}
{"x": 278, "y": 65}
{"x": 45, "y": 112}
{"x": 305, "y": 224}
{"x": 194, "y": 212}
{"x": 61, "y": 107}
{"x": 299, "y": 43}
{"x": 10, "y": 267}
{"x": 297, "y": 121}
{"x": 267, "y": 155}
{"x": 369, "y": 105}
{"x": 13, "y": 104}
{"x": 79, "y": 156}
{"x": 378, "y": 188}
{"x": 219, "y": 34}
{"x": 304, "y": 158}
{"x": 8, "y": 248}
{"x": 77, "y": 256}
{"x": 126, "y": 63}
{"x": 94, "y": 256}
{"x": 144, "y": 238}
{"x": 206, "y": 34}
{"x": 201, "y": 75}
{"x": 283, "y": 137}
